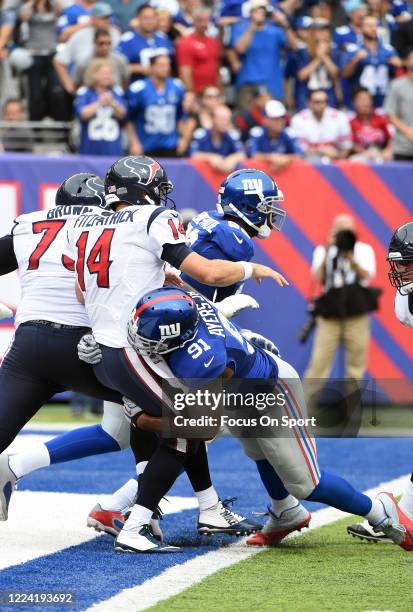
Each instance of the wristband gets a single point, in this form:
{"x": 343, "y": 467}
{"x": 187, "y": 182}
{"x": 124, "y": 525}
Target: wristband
{"x": 248, "y": 269}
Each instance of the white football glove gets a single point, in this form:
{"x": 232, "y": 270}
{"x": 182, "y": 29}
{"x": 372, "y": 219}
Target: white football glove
{"x": 88, "y": 350}
{"x": 260, "y": 341}
{"x": 5, "y": 311}
{"x": 130, "y": 409}
{"x": 234, "y": 304}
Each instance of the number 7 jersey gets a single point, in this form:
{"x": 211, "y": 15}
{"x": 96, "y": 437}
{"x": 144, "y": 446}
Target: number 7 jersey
{"x": 118, "y": 259}
{"x": 46, "y": 278}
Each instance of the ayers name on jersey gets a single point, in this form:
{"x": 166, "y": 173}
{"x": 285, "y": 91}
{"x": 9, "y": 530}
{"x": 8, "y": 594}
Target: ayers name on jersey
{"x": 217, "y": 345}
{"x": 46, "y": 278}
{"x": 214, "y": 237}
{"x": 118, "y": 259}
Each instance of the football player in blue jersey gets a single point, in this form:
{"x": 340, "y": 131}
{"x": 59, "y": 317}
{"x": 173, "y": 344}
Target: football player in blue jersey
{"x": 195, "y": 341}
{"x": 248, "y": 207}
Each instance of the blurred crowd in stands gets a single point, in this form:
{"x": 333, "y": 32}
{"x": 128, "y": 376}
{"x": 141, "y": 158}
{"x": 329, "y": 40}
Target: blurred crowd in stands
{"x": 221, "y": 81}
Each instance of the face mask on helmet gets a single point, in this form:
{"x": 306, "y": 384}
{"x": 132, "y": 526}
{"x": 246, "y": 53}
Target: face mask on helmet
{"x": 401, "y": 273}
{"x": 262, "y": 214}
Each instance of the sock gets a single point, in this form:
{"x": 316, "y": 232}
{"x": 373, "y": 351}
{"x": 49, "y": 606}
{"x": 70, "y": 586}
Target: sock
{"x": 81, "y": 442}
{"x": 406, "y": 502}
{"x": 123, "y": 498}
{"x": 197, "y": 469}
{"x": 271, "y": 480}
{"x": 207, "y": 498}
{"x": 377, "y": 513}
{"x": 139, "y": 516}
{"x": 143, "y": 444}
{"x": 278, "y": 506}
{"x": 27, "y": 461}
{"x": 140, "y": 467}
{"x": 161, "y": 472}
{"x": 337, "y": 492}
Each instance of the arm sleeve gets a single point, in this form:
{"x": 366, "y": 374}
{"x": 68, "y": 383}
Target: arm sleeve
{"x": 318, "y": 257}
{"x": 174, "y": 254}
{"x": 8, "y": 261}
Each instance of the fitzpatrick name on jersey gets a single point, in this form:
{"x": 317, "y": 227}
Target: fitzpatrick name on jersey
{"x": 106, "y": 218}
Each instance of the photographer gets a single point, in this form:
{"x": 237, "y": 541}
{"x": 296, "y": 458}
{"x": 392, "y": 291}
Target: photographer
{"x": 344, "y": 266}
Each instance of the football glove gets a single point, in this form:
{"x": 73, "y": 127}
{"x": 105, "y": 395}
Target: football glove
{"x": 88, "y": 350}
{"x": 234, "y": 304}
{"x": 5, "y": 311}
{"x": 261, "y": 341}
{"x": 130, "y": 409}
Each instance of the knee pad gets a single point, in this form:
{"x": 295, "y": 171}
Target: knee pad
{"x": 116, "y": 424}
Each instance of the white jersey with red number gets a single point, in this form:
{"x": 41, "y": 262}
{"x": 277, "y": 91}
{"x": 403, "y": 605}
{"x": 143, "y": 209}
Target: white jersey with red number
{"x": 118, "y": 259}
{"x": 403, "y": 307}
{"x": 47, "y": 285}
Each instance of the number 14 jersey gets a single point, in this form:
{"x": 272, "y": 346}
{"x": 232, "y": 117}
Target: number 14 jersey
{"x": 118, "y": 259}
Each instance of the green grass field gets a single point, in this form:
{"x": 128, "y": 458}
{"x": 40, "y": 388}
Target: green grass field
{"x": 320, "y": 571}
{"x": 60, "y": 413}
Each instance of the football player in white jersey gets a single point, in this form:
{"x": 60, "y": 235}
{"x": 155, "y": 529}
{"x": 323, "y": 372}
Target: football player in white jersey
{"x": 42, "y": 359}
{"x": 119, "y": 259}
{"x": 5, "y": 311}
{"x": 400, "y": 258}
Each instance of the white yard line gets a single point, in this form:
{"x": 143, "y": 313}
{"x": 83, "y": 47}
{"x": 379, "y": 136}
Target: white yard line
{"x": 180, "y": 577}
{"x": 43, "y": 523}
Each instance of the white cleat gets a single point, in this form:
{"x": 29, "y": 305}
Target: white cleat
{"x": 139, "y": 539}
{"x": 7, "y": 486}
{"x": 220, "y": 519}
{"x": 397, "y": 526}
{"x": 278, "y": 527}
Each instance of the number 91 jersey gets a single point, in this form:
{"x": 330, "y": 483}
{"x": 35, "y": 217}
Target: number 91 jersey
{"x": 117, "y": 259}
{"x": 46, "y": 278}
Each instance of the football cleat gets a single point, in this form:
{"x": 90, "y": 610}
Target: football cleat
{"x": 364, "y": 531}
{"x": 7, "y": 486}
{"x": 112, "y": 522}
{"x": 220, "y": 519}
{"x": 278, "y": 527}
{"x": 396, "y": 526}
{"x": 139, "y": 539}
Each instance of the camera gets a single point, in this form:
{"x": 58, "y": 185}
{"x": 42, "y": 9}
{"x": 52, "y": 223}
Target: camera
{"x": 309, "y": 325}
{"x": 345, "y": 240}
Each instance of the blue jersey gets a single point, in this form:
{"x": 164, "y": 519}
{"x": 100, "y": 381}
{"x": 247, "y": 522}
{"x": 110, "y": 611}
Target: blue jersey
{"x": 138, "y": 50}
{"x": 344, "y": 36}
{"x": 72, "y": 15}
{"x": 261, "y": 63}
{"x": 214, "y": 237}
{"x": 100, "y": 135}
{"x": 156, "y": 113}
{"x": 320, "y": 78}
{"x": 217, "y": 345}
{"x": 260, "y": 142}
{"x": 372, "y": 72}
{"x": 202, "y": 141}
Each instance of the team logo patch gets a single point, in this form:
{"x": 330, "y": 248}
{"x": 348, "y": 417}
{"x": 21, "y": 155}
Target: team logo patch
{"x": 144, "y": 172}
{"x": 170, "y": 331}
{"x": 252, "y": 186}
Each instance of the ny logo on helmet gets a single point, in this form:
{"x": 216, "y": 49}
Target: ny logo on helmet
{"x": 170, "y": 331}
{"x": 252, "y": 186}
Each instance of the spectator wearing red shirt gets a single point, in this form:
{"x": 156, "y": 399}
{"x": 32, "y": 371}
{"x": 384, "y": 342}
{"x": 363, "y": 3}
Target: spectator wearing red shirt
{"x": 198, "y": 55}
{"x": 371, "y": 134}
{"x": 255, "y": 114}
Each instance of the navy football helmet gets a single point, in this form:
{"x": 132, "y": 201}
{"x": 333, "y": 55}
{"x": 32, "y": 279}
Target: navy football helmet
{"x": 162, "y": 321}
{"x": 400, "y": 258}
{"x": 82, "y": 189}
{"x": 252, "y": 195}
{"x": 137, "y": 179}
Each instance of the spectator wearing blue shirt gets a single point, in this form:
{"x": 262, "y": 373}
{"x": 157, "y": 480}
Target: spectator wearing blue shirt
{"x": 140, "y": 44}
{"x": 255, "y": 52}
{"x": 369, "y": 65}
{"x": 274, "y": 142}
{"x": 155, "y": 112}
{"x": 101, "y": 108}
{"x": 74, "y": 18}
{"x": 317, "y": 65}
{"x": 220, "y": 146}
{"x": 350, "y": 34}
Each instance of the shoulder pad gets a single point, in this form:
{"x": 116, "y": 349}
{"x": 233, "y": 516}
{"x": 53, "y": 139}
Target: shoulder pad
{"x": 127, "y": 36}
{"x": 256, "y": 131}
{"x": 199, "y": 133}
{"x": 342, "y": 30}
{"x": 137, "y": 86}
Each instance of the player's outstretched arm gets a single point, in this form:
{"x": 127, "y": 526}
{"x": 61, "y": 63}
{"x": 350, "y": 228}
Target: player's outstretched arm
{"x": 221, "y": 273}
